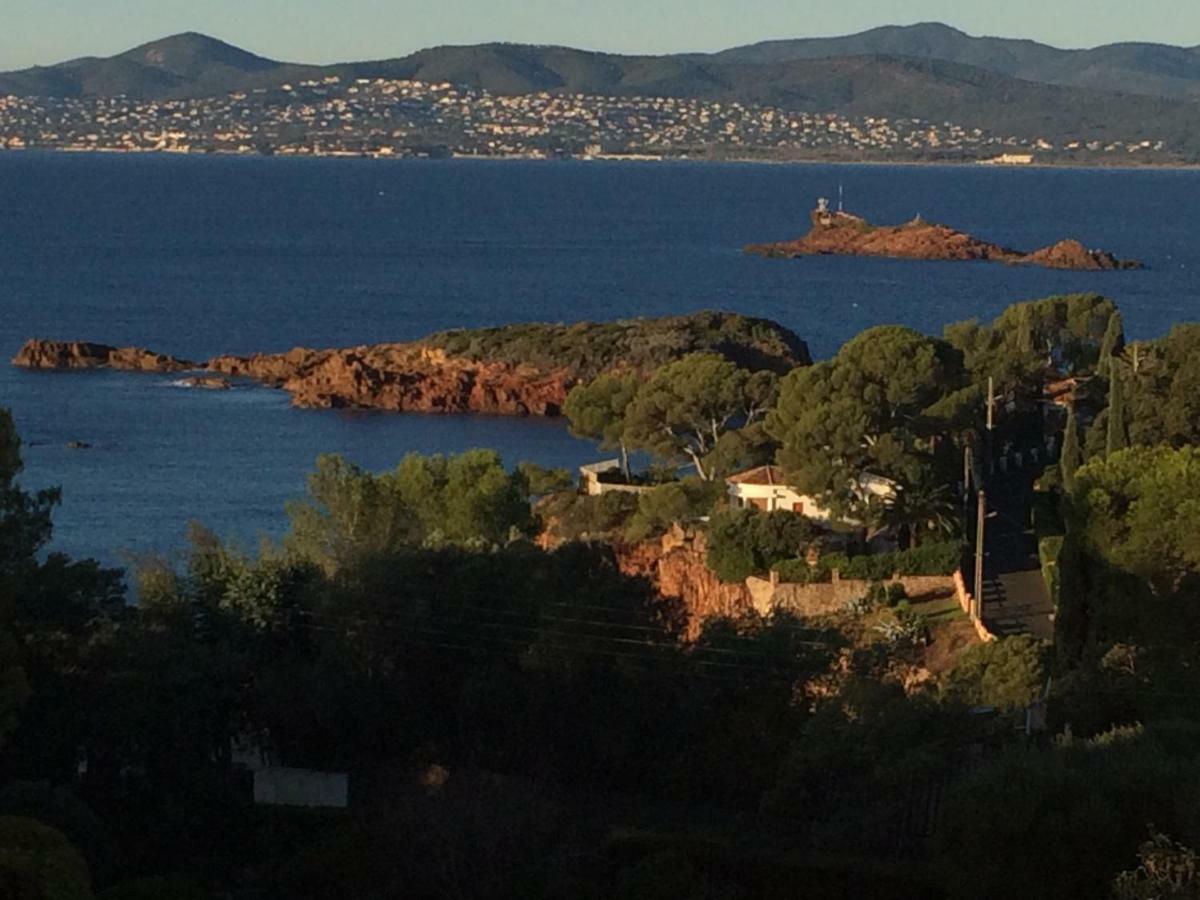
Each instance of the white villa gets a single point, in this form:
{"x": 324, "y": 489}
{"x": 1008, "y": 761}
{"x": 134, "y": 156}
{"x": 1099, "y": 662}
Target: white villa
{"x": 766, "y": 489}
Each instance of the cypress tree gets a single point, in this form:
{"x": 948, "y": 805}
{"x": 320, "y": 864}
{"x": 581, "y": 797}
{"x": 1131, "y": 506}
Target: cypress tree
{"x": 1024, "y": 329}
{"x": 1113, "y": 342}
{"x": 1071, "y": 457}
{"x": 1118, "y": 436}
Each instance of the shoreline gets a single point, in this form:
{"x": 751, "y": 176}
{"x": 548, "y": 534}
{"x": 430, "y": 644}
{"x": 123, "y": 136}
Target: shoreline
{"x": 639, "y": 159}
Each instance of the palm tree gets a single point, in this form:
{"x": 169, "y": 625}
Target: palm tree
{"x": 922, "y": 509}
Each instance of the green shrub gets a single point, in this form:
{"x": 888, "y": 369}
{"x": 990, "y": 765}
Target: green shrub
{"x": 541, "y": 482}
{"x": 679, "y": 501}
{"x": 730, "y": 550}
{"x": 940, "y": 558}
{"x": 934, "y": 558}
{"x": 743, "y": 542}
{"x": 798, "y": 571}
{"x": 859, "y": 606}
{"x": 890, "y": 595}
{"x": 574, "y": 517}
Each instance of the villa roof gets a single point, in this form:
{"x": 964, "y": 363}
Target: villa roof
{"x": 764, "y": 475}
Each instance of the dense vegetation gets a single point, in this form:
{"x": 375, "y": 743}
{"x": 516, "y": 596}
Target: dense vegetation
{"x": 589, "y": 349}
{"x": 526, "y": 722}
{"x": 940, "y": 558}
{"x": 742, "y": 543}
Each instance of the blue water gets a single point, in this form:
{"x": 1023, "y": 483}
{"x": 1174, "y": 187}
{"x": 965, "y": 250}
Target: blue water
{"x": 196, "y": 256}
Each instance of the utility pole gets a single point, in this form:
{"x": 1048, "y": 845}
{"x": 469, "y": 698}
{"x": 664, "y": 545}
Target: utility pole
{"x": 981, "y": 519}
{"x": 966, "y": 488}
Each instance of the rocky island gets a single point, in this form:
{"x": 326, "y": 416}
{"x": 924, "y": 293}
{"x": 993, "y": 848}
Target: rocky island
{"x": 840, "y": 233}
{"x": 515, "y": 370}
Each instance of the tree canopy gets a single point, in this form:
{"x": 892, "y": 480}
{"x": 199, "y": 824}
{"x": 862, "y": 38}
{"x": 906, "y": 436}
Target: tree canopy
{"x": 1137, "y": 511}
{"x": 353, "y": 515}
{"x": 681, "y": 413}
{"x": 869, "y": 410}
{"x": 596, "y": 410}
{"x": 1008, "y": 674}
{"x": 1071, "y": 333}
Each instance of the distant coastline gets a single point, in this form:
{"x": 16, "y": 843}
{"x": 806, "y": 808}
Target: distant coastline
{"x": 616, "y": 159}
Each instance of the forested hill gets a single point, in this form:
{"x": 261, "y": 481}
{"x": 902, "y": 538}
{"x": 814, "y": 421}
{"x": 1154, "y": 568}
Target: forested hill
{"x": 900, "y": 73}
{"x": 1134, "y": 68}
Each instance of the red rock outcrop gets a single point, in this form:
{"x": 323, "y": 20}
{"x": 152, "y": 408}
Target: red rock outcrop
{"x": 404, "y": 378}
{"x": 40, "y": 354}
{"x": 395, "y": 377}
{"x": 1071, "y": 254}
{"x": 839, "y": 233}
{"x": 677, "y": 566}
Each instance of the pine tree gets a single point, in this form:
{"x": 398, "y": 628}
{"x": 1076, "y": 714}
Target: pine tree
{"x": 1071, "y": 457}
{"x": 1118, "y": 436}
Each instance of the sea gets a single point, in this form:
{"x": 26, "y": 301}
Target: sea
{"x": 196, "y": 256}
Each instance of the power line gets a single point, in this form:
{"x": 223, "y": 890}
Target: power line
{"x": 530, "y": 637}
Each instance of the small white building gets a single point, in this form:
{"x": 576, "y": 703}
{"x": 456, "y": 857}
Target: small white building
{"x": 766, "y": 489}
{"x": 605, "y": 478}
{"x": 283, "y": 786}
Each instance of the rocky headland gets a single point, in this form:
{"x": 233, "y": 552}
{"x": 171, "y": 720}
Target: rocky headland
{"x": 843, "y": 234}
{"x": 516, "y": 370}
{"x": 38, "y": 354}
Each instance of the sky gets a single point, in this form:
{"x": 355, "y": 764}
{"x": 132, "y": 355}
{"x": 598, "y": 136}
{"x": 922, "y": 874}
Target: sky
{"x": 326, "y": 31}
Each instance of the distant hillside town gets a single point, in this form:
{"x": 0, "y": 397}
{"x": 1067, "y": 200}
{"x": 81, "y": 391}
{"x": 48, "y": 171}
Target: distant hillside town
{"x": 401, "y": 118}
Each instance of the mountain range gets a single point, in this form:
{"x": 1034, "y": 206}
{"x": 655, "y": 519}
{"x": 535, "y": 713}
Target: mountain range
{"x": 1156, "y": 70}
{"x": 926, "y": 71}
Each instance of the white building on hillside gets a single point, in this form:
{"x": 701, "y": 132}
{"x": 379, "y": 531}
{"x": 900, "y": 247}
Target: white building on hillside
{"x": 606, "y": 478}
{"x": 766, "y": 489}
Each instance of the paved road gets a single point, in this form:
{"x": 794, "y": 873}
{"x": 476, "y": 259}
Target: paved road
{"x": 1015, "y": 597}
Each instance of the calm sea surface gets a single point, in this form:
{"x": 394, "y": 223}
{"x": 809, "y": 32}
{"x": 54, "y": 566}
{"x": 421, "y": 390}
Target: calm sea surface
{"x": 199, "y": 256}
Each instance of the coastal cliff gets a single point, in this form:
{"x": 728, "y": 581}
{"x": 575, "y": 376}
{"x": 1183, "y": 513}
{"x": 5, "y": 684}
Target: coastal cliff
{"x": 677, "y": 565}
{"x": 403, "y": 378}
{"x": 517, "y": 370}
{"x": 843, "y": 234}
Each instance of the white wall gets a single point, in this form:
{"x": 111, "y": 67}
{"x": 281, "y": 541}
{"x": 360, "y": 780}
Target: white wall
{"x": 279, "y": 786}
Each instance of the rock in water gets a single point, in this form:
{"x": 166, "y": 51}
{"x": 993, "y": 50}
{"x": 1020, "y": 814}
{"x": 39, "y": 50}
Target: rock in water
{"x": 843, "y": 234}
{"x": 206, "y": 382}
{"x": 42, "y": 354}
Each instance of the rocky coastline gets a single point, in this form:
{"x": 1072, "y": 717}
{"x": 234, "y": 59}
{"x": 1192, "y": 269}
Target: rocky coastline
{"x": 843, "y": 234}
{"x": 393, "y": 377}
{"x": 39, "y": 354}
{"x": 526, "y": 370}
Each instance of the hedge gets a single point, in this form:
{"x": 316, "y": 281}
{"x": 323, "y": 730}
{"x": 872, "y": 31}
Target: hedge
{"x": 935, "y": 558}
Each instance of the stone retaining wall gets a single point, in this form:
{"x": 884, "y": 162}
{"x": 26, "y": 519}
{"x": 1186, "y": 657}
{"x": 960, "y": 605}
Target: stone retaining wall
{"x": 812, "y": 600}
